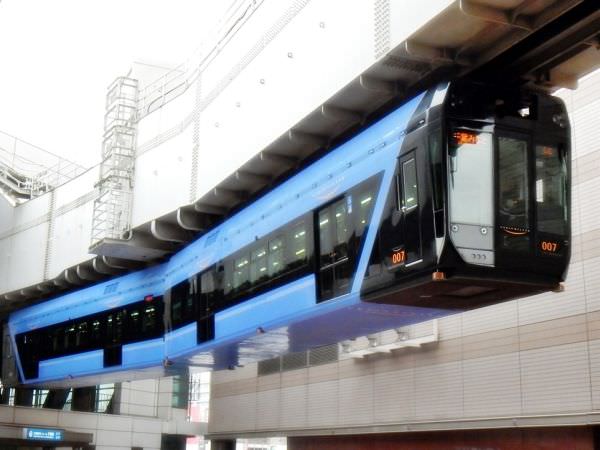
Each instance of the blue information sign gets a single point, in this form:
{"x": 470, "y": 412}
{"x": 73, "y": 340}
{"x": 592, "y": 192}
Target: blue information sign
{"x": 42, "y": 434}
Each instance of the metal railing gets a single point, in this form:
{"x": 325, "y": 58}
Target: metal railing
{"x": 176, "y": 81}
{"x": 27, "y": 170}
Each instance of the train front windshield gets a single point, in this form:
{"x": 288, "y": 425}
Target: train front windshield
{"x": 508, "y": 191}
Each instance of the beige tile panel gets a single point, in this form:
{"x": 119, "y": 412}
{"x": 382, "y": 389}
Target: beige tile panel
{"x": 492, "y": 386}
{"x": 355, "y": 397}
{"x": 233, "y": 388}
{"x": 293, "y": 407}
{"x": 440, "y": 353}
{"x": 293, "y": 378}
{"x": 354, "y": 367}
{"x": 394, "y": 396}
{"x": 494, "y": 343}
{"x": 321, "y": 373}
{"x": 267, "y": 409}
{"x": 268, "y": 382}
{"x": 556, "y": 379}
{"x": 322, "y": 403}
{"x": 586, "y": 167}
{"x": 552, "y": 333}
{"x": 400, "y": 359}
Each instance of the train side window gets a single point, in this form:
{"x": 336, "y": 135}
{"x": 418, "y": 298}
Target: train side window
{"x": 209, "y": 291}
{"x": 275, "y": 258}
{"x": 325, "y": 237}
{"x": 183, "y": 301}
{"x": 96, "y": 332}
{"x": 241, "y": 273}
{"x": 410, "y": 191}
{"x": 342, "y": 229}
{"x": 258, "y": 265}
{"x": 297, "y": 246}
{"x": 70, "y": 338}
{"x": 365, "y": 200}
{"x": 81, "y": 340}
{"x": 134, "y": 326}
{"x": 149, "y": 322}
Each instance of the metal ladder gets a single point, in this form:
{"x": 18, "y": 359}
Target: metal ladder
{"x": 112, "y": 208}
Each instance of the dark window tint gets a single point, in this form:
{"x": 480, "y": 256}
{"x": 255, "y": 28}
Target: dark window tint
{"x": 513, "y": 193}
{"x": 550, "y": 190}
{"x": 435, "y": 156}
{"x": 410, "y": 194}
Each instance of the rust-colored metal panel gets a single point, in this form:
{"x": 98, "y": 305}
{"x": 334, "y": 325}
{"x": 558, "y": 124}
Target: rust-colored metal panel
{"x": 571, "y": 438}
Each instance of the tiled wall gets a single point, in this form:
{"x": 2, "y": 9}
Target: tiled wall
{"x": 535, "y": 356}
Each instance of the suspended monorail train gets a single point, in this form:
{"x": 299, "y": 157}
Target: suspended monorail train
{"x": 455, "y": 199}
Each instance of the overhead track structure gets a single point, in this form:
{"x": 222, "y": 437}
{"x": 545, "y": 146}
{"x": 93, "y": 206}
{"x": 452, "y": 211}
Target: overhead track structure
{"x": 547, "y": 43}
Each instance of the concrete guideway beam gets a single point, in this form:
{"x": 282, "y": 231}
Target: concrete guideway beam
{"x": 335, "y": 113}
{"x": 166, "y": 231}
{"x": 512, "y": 17}
{"x": 378, "y": 85}
{"x": 190, "y": 220}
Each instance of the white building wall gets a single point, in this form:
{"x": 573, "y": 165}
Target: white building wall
{"x": 536, "y": 356}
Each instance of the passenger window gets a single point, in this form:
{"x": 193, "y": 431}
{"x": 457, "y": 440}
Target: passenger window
{"x": 135, "y": 324}
{"x": 70, "y": 338}
{"x": 149, "y": 322}
{"x": 275, "y": 256}
{"x": 365, "y": 205}
{"x": 82, "y": 335}
{"x": 258, "y": 265}
{"x": 298, "y": 246}
{"x": 410, "y": 194}
{"x": 342, "y": 234}
{"x": 96, "y": 329}
{"x": 240, "y": 272}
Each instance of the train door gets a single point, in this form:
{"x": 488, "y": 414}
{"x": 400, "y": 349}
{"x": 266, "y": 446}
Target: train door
{"x": 408, "y": 202}
{"x": 513, "y": 195}
{"x": 334, "y": 224}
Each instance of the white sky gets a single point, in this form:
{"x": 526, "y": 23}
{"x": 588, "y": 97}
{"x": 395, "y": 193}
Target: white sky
{"x": 58, "y": 56}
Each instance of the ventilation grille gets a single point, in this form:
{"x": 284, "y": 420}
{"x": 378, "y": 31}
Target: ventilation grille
{"x": 323, "y": 355}
{"x": 293, "y": 361}
{"x": 299, "y": 360}
{"x": 269, "y": 366}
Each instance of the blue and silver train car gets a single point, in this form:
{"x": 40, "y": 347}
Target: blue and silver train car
{"x": 456, "y": 199}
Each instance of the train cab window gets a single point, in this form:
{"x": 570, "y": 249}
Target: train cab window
{"x": 470, "y": 178}
{"x": 410, "y": 194}
{"x": 513, "y": 193}
{"x": 275, "y": 258}
{"x": 365, "y": 201}
{"x": 550, "y": 190}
